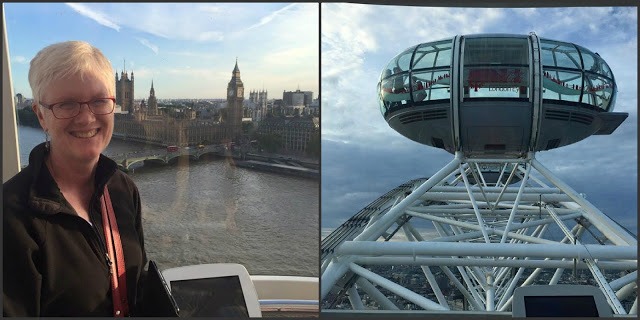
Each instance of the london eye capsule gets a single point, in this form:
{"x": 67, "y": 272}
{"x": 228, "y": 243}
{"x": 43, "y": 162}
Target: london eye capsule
{"x": 498, "y": 95}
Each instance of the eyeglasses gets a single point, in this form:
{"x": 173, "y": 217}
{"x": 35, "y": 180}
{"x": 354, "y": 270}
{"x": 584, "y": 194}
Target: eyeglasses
{"x": 70, "y": 109}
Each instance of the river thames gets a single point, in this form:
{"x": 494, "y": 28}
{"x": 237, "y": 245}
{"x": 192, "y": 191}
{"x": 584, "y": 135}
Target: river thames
{"x": 211, "y": 212}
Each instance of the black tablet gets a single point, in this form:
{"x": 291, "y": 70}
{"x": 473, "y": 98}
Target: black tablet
{"x": 157, "y": 299}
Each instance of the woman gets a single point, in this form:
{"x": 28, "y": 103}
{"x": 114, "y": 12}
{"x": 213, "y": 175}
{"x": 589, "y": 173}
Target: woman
{"x": 56, "y": 261}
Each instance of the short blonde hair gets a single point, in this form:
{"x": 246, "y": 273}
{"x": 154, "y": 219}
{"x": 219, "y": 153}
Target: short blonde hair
{"x": 64, "y": 59}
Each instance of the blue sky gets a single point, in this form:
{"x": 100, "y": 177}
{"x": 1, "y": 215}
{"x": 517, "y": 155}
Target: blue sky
{"x": 189, "y": 50}
{"x": 362, "y": 157}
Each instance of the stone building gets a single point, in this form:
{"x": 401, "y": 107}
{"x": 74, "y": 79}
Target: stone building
{"x": 297, "y": 98}
{"x": 235, "y": 98}
{"x": 145, "y": 123}
{"x": 296, "y": 132}
{"x": 258, "y": 97}
{"x": 124, "y": 91}
{"x": 152, "y": 102}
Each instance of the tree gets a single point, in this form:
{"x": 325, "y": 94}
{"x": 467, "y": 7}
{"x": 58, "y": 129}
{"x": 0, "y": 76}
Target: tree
{"x": 27, "y": 117}
{"x": 247, "y": 128}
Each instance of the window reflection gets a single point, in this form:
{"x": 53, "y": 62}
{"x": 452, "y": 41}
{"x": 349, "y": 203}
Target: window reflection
{"x": 496, "y": 68}
{"x": 558, "y": 54}
{"x": 401, "y": 61}
{"x": 561, "y": 85}
{"x": 591, "y": 81}
{"x": 598, "y": 91}
{"x": 428, "y": 85}
{"x": 430, "y": 55}
{"x": 394, "y": 91}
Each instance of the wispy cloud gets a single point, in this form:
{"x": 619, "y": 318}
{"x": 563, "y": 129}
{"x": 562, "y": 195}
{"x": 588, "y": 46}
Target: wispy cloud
{"x": 209, "y": 36}
{"x": 148, "y": 44}
{"x": 194, "y": 54}
{"x": 94, "y": 15}
{"x": 359, "y": 40}
{"x": 271, "y": 16}
{"x": 211, "y": 8}
{"x": 19, "y": 59}
{"x": 203, "y": 36}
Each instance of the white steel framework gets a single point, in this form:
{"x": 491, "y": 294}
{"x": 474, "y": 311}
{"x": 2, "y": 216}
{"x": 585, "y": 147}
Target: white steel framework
{"x": 484, "y": 238}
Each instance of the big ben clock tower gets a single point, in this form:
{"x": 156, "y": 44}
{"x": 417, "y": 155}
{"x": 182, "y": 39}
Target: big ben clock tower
{"x": 235, "y": 97}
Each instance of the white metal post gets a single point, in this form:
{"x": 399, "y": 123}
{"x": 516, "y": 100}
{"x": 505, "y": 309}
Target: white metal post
{"x": 611, "y": 229}
{"x": 354, "y": 298}
{"x": 335, "y": 270}
{"x": 475, "y": 207}
{"x": 515, "y": 204}
{"x": 375, "y": 294}
{"x": 396, "y": 288}
{"x": 461, "y": 288}
{"x": 375, "y": 230}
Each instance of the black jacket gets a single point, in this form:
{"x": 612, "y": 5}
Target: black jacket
{"x": 54, "y": 262}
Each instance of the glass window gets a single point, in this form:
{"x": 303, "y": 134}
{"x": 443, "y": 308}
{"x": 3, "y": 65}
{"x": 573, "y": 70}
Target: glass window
{"x": 559, "y": 54}
{"x": 605, "y": 69}
{"x": 429, "y": 55}
{"x": 597, "y": 91}
{"x": 496, "y": 68}
{"x": 401, "y": 62}
{"x": 394, "y": 93}
{"x": 381, "y": 101}
{"x": 496, "y": 51}
{"x": 561, "y": 85}
{"x": 593, "y": 63}
{"x": 431, "y": 85}
{"x": 496, "y": 82}
{"x": 482, "y": 82}
{"x": 589, "y": 60}
{"x": 444, "y": 55}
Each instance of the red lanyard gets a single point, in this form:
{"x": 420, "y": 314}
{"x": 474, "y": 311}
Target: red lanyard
{"x": 114, "y": 253}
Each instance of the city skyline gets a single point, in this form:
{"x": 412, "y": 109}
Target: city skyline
{"x": 187, "y": 50}
{"x": 363, "y": 157}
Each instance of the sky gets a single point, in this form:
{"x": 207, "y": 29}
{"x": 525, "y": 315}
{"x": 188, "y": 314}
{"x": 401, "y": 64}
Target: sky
{"x": 362, "y": 157}
{"x": 188, "y": 49}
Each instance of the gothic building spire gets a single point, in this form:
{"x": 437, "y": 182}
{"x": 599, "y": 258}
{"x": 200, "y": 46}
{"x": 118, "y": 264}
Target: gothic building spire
{"x": 235, "y": 96}
{"x": 236, "y": 70}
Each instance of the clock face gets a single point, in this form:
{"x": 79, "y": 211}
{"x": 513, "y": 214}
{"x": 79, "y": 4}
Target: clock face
{"x": 230, "y": 92}
{"x": 240, "y": 92}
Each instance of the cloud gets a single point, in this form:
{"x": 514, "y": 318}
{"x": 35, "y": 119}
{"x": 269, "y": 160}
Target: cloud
{"x": 205, "y": 23}
{"x": 196, "y": 55}
{"x": 94, "y": 15}
{"x": 214, "y": 10}
{"x": 345, "y": 38}
{"x": 148, "y": 44}
{"x": 364, "y": 158}
{"x": 358, "y": 40}
{"x": 209, "y": 36}
{"x": 19, "y": 59}
{"x": 290, "y": 58}
{"x": 272, "y": 16}
{"x": 560, "y": 23}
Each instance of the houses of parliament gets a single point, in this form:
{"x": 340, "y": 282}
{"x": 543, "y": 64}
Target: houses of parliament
{"x": 145, "y": 123}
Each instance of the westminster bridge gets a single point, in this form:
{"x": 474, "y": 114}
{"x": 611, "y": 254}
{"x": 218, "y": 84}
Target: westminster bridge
{"x": 162, "y": 156}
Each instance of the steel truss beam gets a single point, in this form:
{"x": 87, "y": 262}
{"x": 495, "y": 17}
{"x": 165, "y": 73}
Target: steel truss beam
{"x": 487, "y": 237}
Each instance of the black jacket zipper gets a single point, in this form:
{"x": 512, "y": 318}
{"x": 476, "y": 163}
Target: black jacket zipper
{"x": 94, "y": 227}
